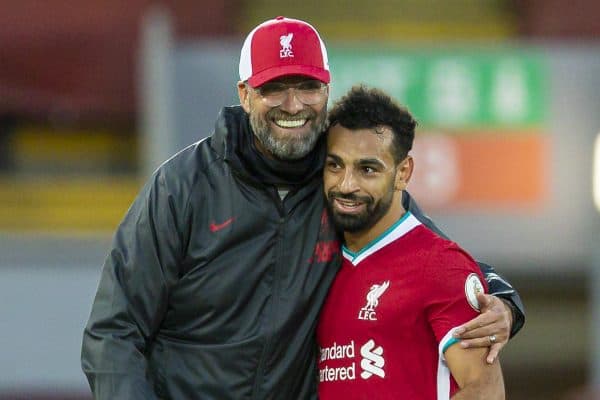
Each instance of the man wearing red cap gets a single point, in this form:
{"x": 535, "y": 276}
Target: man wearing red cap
{"x": 218, "y": 271}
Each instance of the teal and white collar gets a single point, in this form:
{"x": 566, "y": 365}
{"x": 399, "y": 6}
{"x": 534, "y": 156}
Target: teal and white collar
{"x": 400, "y": 228}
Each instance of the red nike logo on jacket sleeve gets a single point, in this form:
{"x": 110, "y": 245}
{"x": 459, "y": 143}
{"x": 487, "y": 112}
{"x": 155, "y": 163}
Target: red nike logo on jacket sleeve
{"x": 214, "y": 227}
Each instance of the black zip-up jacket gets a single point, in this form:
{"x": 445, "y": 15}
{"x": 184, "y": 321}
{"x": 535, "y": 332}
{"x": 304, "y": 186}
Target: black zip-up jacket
{"x": 213, "y": 285}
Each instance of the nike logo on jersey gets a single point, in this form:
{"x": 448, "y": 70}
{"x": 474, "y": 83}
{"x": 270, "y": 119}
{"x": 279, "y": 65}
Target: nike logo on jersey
{"x": 214, "y": 227}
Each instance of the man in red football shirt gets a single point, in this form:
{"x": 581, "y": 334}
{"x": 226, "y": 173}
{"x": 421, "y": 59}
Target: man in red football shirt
{"x": 385, "y": 331}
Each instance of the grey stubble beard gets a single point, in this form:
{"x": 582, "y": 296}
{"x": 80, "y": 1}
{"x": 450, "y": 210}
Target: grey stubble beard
{"x": 288, "y": 148}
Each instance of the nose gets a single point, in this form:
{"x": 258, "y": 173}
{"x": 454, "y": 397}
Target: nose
{"x": 291, "y": 104}
{"x": 347, "y": 183}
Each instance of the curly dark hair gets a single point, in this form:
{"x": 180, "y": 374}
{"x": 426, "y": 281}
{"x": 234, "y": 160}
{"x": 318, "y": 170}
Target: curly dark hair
{"x": 366, "y": 108}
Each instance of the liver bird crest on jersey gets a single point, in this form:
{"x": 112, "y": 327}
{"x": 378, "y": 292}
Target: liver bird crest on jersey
{"x": 368, "y": 311}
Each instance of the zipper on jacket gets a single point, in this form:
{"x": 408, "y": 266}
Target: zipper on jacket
{"x": 272, "y": 318}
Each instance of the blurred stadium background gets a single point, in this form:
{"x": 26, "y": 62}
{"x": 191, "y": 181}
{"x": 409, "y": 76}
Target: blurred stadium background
{"x": 95, "y": 94}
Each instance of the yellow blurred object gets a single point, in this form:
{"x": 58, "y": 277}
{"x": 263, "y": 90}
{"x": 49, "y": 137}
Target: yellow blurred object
{"x": 393, "y": 20}
{"x": 46, "y": 149}
{"x": 85, "y": 204}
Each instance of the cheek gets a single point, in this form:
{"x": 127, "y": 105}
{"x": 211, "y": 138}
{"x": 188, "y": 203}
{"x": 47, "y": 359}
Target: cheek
{"x": 322, "y": 112}
{"x": 258, "y": 113}
{"x": 328, "y": 182}
{"x": 319, "y": 110}
{"x": 380, "y": 188}
{"x": 256, "y": 107}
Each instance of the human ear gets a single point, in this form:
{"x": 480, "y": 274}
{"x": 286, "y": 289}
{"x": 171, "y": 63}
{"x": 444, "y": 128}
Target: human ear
{"x": 244, "y": 95}
{"x": 405, "y": 170}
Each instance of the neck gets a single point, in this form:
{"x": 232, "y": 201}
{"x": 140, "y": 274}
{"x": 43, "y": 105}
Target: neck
{"x": 261, "y": 166}
{"x": 356, "y": 241}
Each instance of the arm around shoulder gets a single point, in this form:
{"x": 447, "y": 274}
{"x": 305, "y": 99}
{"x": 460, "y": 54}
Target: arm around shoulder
{"x": 498, "y": 285}
{"x": 503, "y": 289}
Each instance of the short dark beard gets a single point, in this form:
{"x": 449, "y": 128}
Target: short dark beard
{"x": 353, "y": 223}
{"x": 293, "y": 148}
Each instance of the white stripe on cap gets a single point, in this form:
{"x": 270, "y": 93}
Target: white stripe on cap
{"x": 245, "y": 68}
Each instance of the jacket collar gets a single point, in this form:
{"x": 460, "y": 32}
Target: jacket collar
{"x": 227, "y": 124}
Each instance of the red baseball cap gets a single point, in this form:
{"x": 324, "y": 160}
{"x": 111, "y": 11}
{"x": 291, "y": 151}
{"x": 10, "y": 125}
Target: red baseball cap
{"x": 283, "y": 46}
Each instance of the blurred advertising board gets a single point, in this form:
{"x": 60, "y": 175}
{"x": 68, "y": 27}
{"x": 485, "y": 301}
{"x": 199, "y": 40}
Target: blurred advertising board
{"x": 481, "y": 141}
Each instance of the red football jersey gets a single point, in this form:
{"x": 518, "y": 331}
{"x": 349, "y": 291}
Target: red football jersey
{"x": 389, "y": 316}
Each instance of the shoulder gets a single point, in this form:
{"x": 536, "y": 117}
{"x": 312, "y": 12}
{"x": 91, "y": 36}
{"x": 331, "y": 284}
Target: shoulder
{"x": 189, "y": 164}
{"x": 179, "y": 178}
{"x": 208, "y": 153}
{"x": 444, "y": 257}
{"x": 425, "y": 239}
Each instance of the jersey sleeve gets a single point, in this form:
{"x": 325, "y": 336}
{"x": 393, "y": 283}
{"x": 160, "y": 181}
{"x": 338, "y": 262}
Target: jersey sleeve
{"x": 499, "y": 286}
{"x": 450, "y": 300}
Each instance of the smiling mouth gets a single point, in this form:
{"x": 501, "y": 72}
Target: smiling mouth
{"x": 290, "y": 123}
{"x": 348, "y": 206}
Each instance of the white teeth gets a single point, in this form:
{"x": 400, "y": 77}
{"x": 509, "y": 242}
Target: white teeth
{"x": 290, "y": 123}
{"x": 348, "y": 203}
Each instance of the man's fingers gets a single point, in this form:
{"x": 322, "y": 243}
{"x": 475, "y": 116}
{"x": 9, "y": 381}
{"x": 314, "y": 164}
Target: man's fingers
{"x": 477, "y": 326}
{"x": 474, "y": 343}
{"x": 484, "y": 342}
{"x": 486, "y": 329}
{"x": 493, "y": 321}
{"x": 482, "y": 333}
{"x": 485, "y": 301}
{"x": 493, "y": 353}
{"x": 489, "y": 329}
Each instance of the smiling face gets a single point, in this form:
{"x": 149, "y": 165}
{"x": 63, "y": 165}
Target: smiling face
{"x": 363, "y": 184}
{"x": 290, "y": 130}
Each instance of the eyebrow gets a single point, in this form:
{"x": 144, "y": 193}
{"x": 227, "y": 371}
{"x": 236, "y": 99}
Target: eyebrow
{"x": 362, "y": 161}
{"x": 371, "y": 161}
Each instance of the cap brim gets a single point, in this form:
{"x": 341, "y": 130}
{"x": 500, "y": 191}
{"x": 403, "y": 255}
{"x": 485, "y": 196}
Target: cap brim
{"x": 277, "y": 72}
